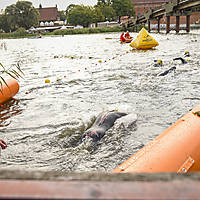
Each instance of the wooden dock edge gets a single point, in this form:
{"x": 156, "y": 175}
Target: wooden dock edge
{"x": 98, "y": 185}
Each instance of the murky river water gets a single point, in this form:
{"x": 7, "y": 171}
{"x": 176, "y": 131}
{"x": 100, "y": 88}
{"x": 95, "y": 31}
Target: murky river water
{"x": 46, "y": 119}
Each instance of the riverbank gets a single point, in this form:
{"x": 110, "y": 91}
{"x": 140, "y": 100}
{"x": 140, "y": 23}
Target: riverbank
{"x": 16, "y": 35}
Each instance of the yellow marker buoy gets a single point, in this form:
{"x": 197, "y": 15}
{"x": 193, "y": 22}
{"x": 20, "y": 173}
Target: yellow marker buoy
{"x": 144, "y": 41}
{"x": 47, "y": 81}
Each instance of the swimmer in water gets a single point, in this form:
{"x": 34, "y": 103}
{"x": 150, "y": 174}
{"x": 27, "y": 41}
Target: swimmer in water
{"x": 167, "y": 71}
{"x": 187, "y": 54}
{"x": 158, "y": 63}
{"x": 102, "y": 123}
{"x": 181, "y": 59}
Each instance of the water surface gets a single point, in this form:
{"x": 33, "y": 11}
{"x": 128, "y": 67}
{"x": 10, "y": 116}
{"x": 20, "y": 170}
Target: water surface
{"x": 46, "y": 119}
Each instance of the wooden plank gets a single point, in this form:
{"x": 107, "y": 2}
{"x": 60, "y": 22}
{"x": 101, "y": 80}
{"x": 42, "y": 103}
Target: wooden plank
{"x": 79, "y": 190}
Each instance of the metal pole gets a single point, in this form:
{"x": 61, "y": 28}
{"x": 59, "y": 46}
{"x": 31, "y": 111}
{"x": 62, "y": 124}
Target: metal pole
{"x": 188, "y": 23}
{"x": 168, "y": 24}
{"x": 177, "y": 24}
{"x": 149, "y": 25}
{"x": 159, "y": 25}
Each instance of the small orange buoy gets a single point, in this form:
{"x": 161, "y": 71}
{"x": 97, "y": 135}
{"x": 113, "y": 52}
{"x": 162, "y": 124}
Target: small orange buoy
{"x": 100, "y": 61}
{"x": 8, "y": 91}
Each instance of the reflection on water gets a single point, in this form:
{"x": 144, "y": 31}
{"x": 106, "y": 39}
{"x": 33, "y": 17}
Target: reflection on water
{"x": 89, "y": 74}
{"x": 8, "y": 110}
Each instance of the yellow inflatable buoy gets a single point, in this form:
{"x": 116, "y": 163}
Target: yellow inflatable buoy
{"x": 144, "y": 41}
{"x": 47, "y": 81}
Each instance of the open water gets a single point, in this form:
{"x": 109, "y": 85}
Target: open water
{"x": 45, "y": 120}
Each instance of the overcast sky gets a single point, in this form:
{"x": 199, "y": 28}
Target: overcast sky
{"x": 62, "y": 4}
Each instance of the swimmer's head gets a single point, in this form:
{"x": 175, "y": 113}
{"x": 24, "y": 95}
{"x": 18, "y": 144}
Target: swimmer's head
{"x": 159, "y": 62}
{"x": 187, "y": 53}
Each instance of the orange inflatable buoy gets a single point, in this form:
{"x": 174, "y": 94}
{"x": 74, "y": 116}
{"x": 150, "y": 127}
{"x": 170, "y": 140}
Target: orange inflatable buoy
{"x": 177, "y": 149}
{"x": 8, "y": 91}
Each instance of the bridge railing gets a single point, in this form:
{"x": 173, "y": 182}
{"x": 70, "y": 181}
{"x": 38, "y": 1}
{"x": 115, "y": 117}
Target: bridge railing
{"x": 159, "y": 11}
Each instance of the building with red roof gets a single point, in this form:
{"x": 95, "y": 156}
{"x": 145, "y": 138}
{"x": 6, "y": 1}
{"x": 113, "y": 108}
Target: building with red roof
{"x": 48, "y": 15}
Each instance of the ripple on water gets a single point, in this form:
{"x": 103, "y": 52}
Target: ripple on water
{"x": 45, "y": 121}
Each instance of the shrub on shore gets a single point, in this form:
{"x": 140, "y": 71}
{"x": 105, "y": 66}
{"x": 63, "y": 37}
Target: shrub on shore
{"x": 21, "y": 33}
{"x": 87, "y": 30}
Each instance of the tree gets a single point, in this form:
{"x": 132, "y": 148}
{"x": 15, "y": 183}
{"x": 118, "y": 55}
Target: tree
{"x": 108, "y": 12}
{"x": 22, "y": 14}
{"x": 10, "y": 14}
{"x": 103, "y": 2}
{"x": 82, "y": 15}
{"x": 4, "y": 25}
{"x": 69, "y": 8}
{"x": 98, "y": 17}
{"x": 62, "y": 15}
{"x": 123, "y": 8}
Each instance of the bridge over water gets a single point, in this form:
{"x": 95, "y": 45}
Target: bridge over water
{"x": 172, "y": 8}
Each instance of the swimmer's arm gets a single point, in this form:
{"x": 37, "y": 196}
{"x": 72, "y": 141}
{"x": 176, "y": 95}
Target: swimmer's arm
{"x": 3, "y": 144}
{"x": 121, "y": 114}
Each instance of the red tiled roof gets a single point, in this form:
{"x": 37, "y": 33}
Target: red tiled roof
{"x": 48, "y": 14}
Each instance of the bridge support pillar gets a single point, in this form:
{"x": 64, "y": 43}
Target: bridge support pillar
{"x": 177, "y": 24}
{"x": 168, "y": 24}
{"x": 159, "y": 25}
{"x": 149, "y": 25}
{"x": 136, "y": 28}
{"x": 188, "y": 23}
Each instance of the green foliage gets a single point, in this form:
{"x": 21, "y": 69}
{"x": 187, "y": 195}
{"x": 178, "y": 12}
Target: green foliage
{"x": 88, "y": 30}
{"x": 4, "y": 25}
{"x": 21, "y": 31}
{"x": 65, "y": 32}
{"x": 14, "y": 72}
{"x": 82, "y": 15}
{"x": 123, "y": 7}
{"x": 108, "y": 12}
{"x": 103, "y": 2}
{"x": 116, "y": 8}
{"x": 98, "y": 17}
{"x": 62, "y": 15}
{"x": 21, "y": 14}
{"x": 69, "y": 8}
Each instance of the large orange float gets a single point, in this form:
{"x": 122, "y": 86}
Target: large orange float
{"x": 177, "y": 149}
{"x": 8, "y": 91}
